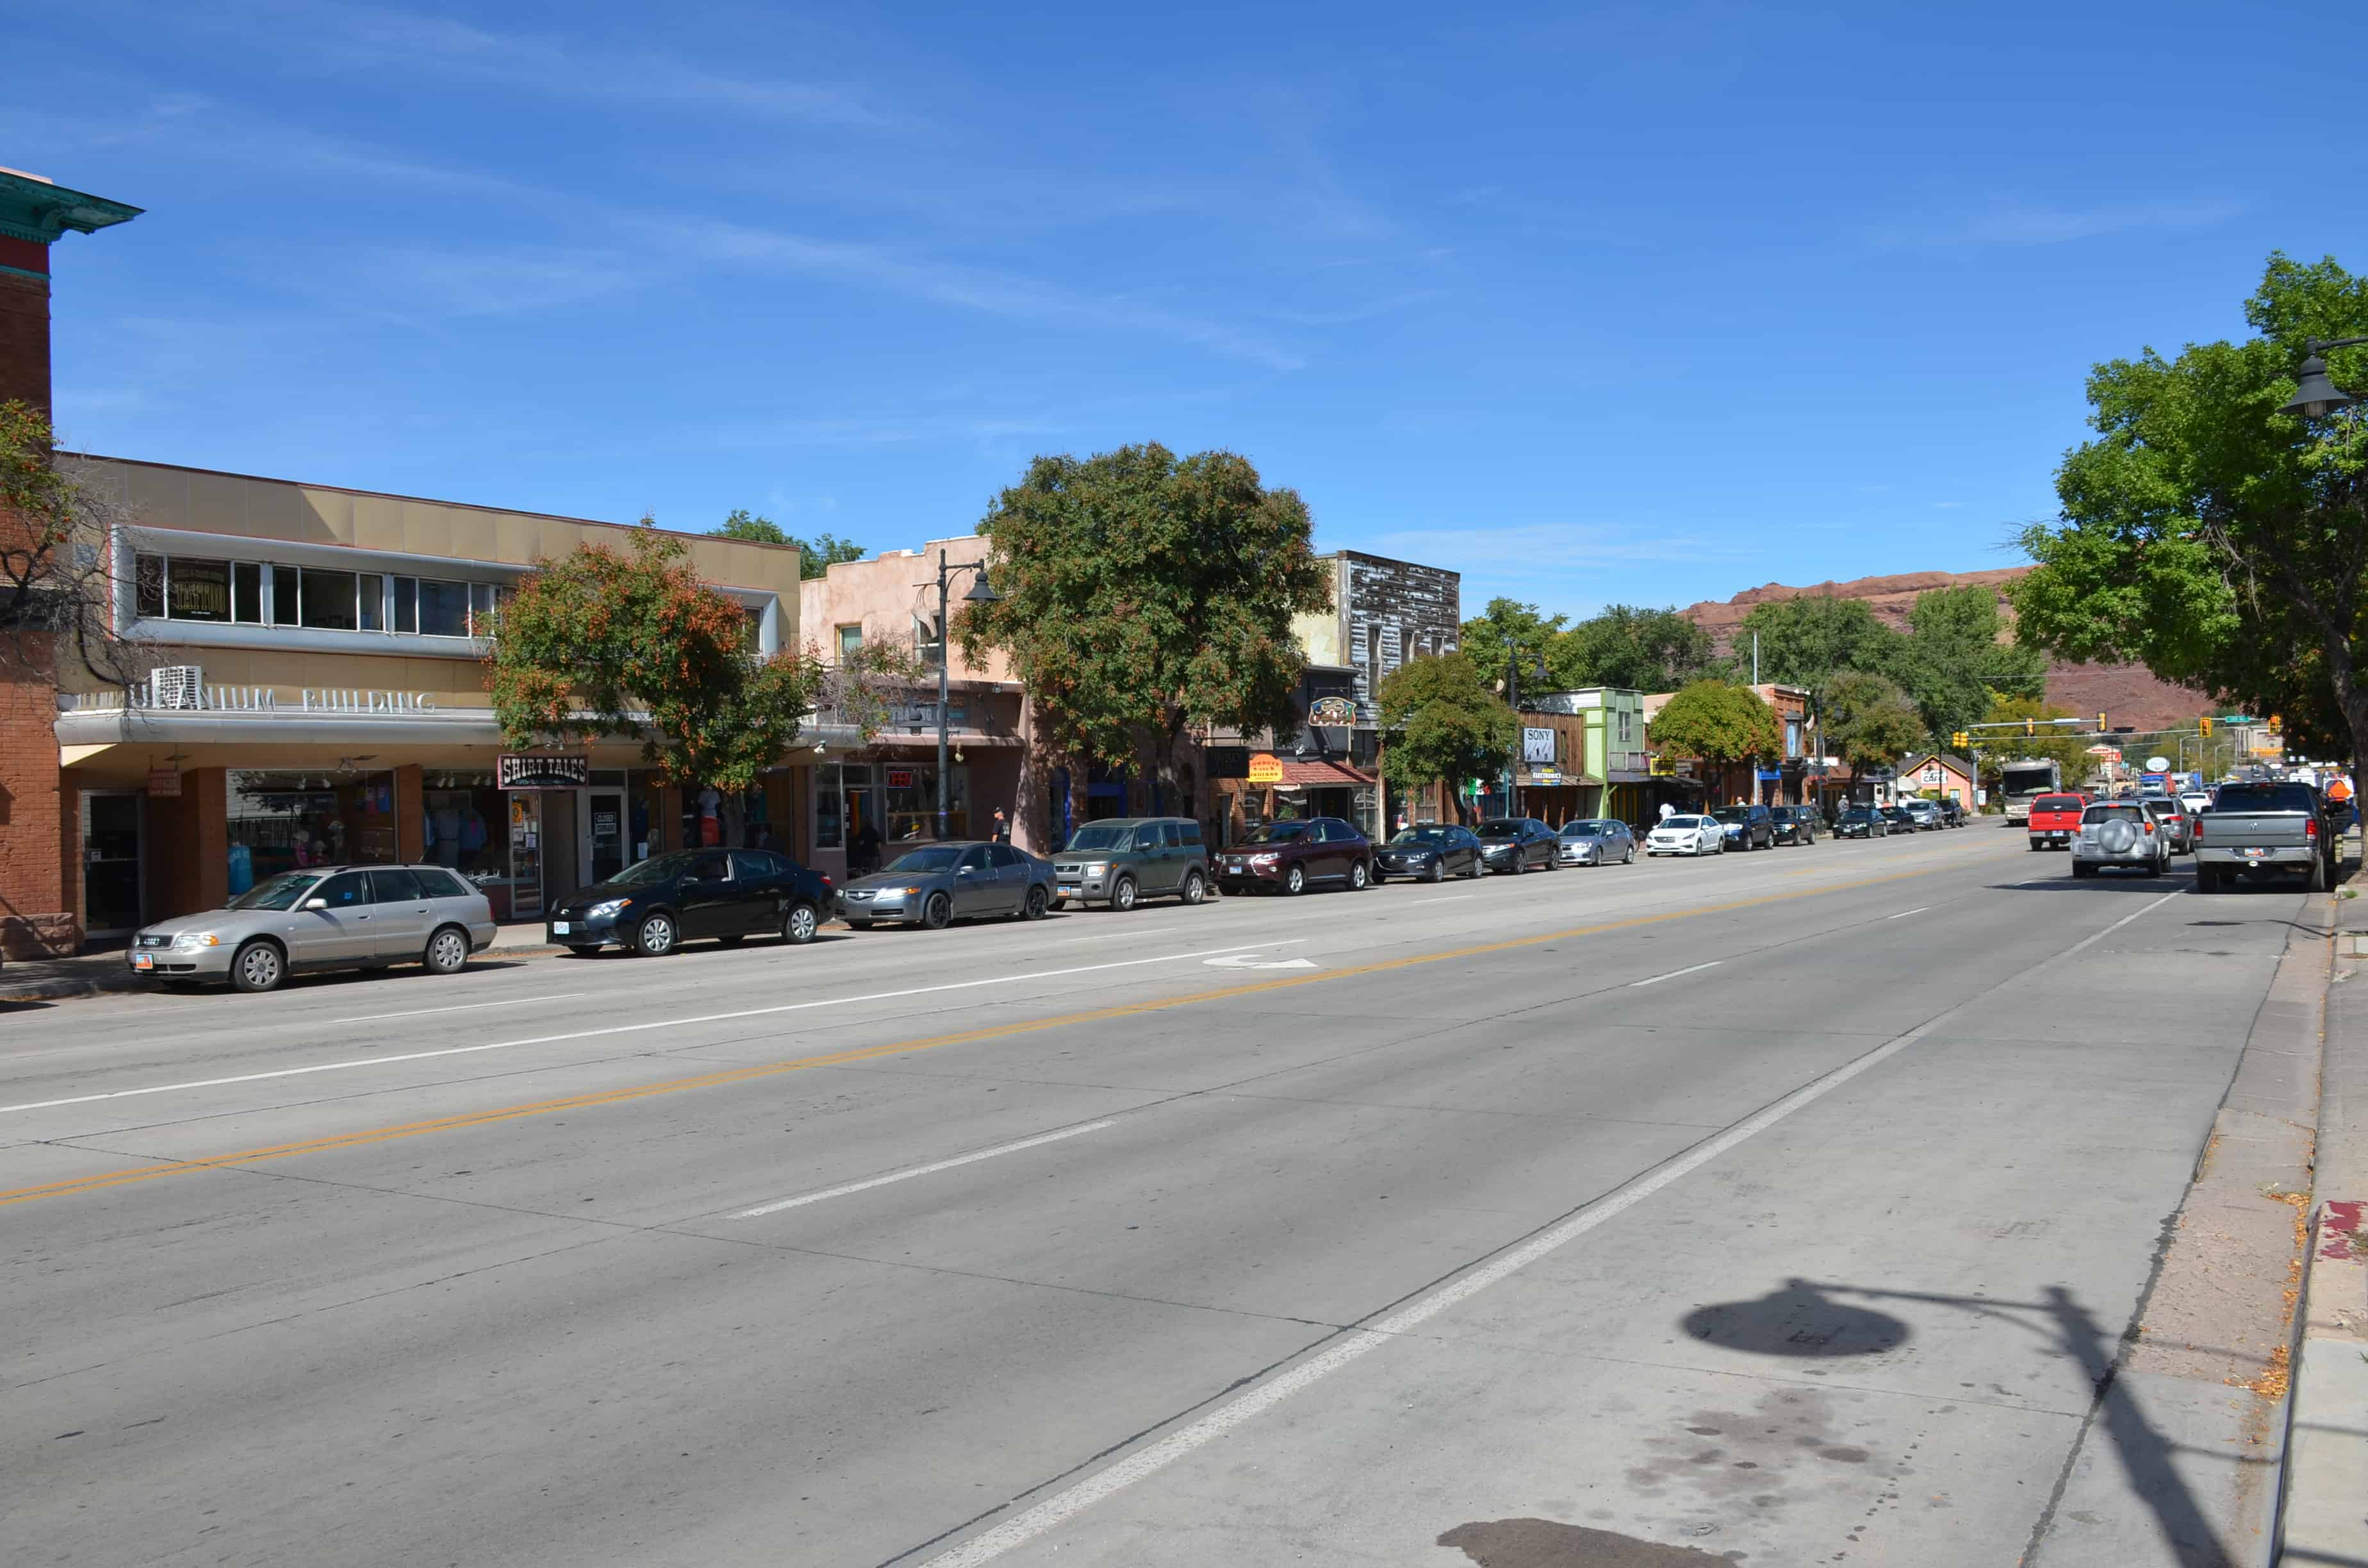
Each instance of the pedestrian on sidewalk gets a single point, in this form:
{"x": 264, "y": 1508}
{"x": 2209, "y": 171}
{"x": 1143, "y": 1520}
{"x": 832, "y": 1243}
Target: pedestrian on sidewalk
{"x": 1002, "y": 827}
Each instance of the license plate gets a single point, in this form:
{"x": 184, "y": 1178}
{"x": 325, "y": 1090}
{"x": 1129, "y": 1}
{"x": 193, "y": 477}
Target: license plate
{"x": 1068, "y": 890}
{"x": 559, "y": 928}
{"x": 2255, "y": 854}
{"x": 143, "y": 960}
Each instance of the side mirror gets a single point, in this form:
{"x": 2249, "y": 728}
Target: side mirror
{"x": 961, "y": 870}
{"x": 316, "y": 904}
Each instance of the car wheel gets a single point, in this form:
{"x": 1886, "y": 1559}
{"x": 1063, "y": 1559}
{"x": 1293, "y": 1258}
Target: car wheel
{"x": 2316, "y": 881}
{"x": 1474, "y": 873}
{"x": 2082, "y": 868}
{"x": 2156, "y": 866}
{"x": 1196, "y": 886}
{"x": 1359, "y": 876}
{"x": 654, "y": 936}
{"x": 2206, "y": 880}
{"x": 448, "y": 951}
{"x": 1037, "y": 903}
{"x": 1122, "y": 896}
{"x": 258, "y": 966}
{"x": 1295, "y": 881}
{"x": 937, "y": 913}
{"x": 799, "y": 926}
{"x": 1437, "y": 873}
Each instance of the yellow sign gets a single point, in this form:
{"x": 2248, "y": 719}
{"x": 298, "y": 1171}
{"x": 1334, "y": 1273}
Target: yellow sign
{"x": 1265, "y": 769}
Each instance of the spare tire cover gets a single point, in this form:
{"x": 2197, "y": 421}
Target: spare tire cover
{"x": 2117, "y": 836}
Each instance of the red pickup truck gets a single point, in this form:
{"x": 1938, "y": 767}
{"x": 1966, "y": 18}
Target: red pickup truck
{"x": 2055, "y": 820}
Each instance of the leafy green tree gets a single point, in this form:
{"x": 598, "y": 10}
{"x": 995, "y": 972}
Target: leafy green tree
{"x": 1716, "y": 721}
{"x": 1805, "y": 641}
{"x": 815, "y": 559}
{"x": 1957, "y": 655}
{"x": 1507, "y": 625}
{"x": 1441, "y": 718}
{"x": 1868, "y": 721}
{"x": 1635, "y": 647}
{"x": 1144, "y": 593}
{"x": 58, "y": 586}
{"x": 630, "y": 643}
{"x": 2214, "y": 538}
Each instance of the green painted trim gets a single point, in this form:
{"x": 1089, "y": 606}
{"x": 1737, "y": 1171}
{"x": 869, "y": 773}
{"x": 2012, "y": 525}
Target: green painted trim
{"x": 21, "y": 272}
{"x": 36, "y": 211}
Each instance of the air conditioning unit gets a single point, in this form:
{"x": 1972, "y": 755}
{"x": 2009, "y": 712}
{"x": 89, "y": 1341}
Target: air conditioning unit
{"x": 177, "y": 686}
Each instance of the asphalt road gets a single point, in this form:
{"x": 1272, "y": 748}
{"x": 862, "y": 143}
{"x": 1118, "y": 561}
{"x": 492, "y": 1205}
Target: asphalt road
{"x": 1715, "y": 1205}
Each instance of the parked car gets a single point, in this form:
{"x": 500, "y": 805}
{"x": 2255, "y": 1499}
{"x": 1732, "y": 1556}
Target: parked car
{"x": 931, "y": 885}
{"x": 2172, "y": 818}
{"x": 1597, "y": 841}
{"x": 1900, "y": 818}
{"x": 1862, "y": 822}
{"x": 1431, "y": 853}
{"x": 1514, "y": 845}
{"x": 1747, "y": 827}
{"x": 1120, "y": 861}
{"x": 1792, "y": 825}
{"x": 2257, "y": 828}
{"x": 1953, "y": 811}
{"x": 656, "y": 905}
{"x": 322, "y": 919}
{"x": 2055, "y": 820}
{"x": 1290, "y": 857}
{"x": 1687, "y": 836}
{"x": 2120, "y": 833}
{"x": 1926, "y": 814}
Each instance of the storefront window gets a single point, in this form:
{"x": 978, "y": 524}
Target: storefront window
{"x": 285, "y": 822}
{"x": 706, "y": 815}
{"x": 829, "y": 825}
{"x": 465, "y": 827}
{"x": 909, "y": 801}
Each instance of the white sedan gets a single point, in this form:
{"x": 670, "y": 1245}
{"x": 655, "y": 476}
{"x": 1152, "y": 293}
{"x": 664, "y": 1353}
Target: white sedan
{"x": 1687, "y": 836}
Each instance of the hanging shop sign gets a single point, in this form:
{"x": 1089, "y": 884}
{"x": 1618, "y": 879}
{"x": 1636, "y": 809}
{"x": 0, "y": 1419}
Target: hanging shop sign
{"x": 1265, "y": 768}
{"x": 900, "y": 779}
{"x": 1331, "y": 712}
{"x": 164, "y": 781}
{"x": 522, "y": 771}
{"x": 1537, "y": 746}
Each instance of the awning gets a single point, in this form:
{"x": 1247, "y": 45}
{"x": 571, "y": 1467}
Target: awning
{"x": 1299, "y": 774}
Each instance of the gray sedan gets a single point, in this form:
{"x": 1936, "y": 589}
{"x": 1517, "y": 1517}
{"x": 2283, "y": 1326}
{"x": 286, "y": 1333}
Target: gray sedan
{"x": 931, "y": 885}
{"x": 327, "y": 917}
{"x": 1597, "y": 841}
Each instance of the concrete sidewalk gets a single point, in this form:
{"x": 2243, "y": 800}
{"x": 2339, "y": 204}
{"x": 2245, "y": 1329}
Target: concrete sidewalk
{"x": 2324, "y": 1515}
{"x": 97, "y": 974}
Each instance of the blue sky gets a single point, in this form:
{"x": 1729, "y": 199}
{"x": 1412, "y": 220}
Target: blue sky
{"x": 1647, "y": 303}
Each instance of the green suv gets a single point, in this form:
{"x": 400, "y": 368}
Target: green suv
{"x": 1121, "y": 860}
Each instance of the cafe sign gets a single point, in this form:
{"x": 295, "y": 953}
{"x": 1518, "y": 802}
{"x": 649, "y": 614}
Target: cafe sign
{"x": 524, "y": 770}
{"x": 1265, "y": 768}
{"x": 1331, "y": 713}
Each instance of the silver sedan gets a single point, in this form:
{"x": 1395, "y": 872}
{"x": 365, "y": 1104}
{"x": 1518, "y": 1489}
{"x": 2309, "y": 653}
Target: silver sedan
{"x": 1597, "y": 841}
{"x": 931, "y": 885}
{"x": 327, "y": 917}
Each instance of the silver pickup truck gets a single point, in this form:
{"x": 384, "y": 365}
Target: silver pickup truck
{"x": 2264, "y": 830}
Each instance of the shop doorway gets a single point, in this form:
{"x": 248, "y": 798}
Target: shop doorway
{"x": 562, "y": 872}
{"x": 110, "y": 861}
{"x": 608, "y": 835}
{"x": 862, "y": 809}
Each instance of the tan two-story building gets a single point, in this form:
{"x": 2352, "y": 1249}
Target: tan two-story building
{"x": 317, "y": 695}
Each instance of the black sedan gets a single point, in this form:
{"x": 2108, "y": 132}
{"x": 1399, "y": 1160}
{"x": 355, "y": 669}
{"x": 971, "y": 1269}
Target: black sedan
{"x": 1901, "y": 819}
{"x": 1862, "y": 822}
{"x": 1792, "y": 825}
{"x": 1430, "y": 853}
{"x": 1514, "y": 845}
{"x": 727, "y": 895}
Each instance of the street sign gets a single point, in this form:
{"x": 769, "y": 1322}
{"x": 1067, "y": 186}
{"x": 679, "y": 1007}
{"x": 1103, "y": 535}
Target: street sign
{"x": 2158, "y": 765}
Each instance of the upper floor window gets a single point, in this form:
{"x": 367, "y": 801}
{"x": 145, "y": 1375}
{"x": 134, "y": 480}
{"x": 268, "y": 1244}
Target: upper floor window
{"x": 179, "y": 587}
{"x": 850, "y": 640}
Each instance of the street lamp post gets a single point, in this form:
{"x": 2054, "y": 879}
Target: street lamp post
{"x": 1513, "y": 701}
{"x": 981, "y": 593}
{"x": 2315, "y": 395}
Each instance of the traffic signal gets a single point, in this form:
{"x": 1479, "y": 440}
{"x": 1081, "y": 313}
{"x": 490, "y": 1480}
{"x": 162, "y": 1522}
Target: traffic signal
{"x": 2031, "y": 726}
{"x": 2103, "y": 727}
{"x": 1958, "y": 738}
{"x": 2203, "y": 726}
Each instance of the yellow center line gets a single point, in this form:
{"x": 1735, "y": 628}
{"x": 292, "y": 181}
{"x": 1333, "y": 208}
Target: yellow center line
{"x": 157, "y": 1170}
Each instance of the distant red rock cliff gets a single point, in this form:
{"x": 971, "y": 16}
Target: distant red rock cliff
{"x": 2126, "y": 693}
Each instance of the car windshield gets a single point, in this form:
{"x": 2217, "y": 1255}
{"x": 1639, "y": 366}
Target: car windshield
{"x": 1733, "y": 814}
{"x": 1102, "y": 836}
{"x": 1683, "y": 823}
{"x": 1423, "y": 836}
{"x": 1500, "y": 830}
{"x": 1858, "y": 814}
{"x": 2265, "y": 798}
{"x": 276, "y": 892}
{"x": 2056, "y": 803}
{"x": 1584, "y": 829}
{"x": 2110, "y": 813}
{"x": 1278, "y": 833}
{"x": 925, "y": 862}
{"x": 660, "y": 868}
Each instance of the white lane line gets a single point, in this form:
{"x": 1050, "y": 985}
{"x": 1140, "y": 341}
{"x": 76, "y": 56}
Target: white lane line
{"x": 1905, "y": 913}
{"x": 636, "y": 1029}
{"x": 1114, "y": 935}
{"x": 1061, "y": 1506}
{"x": 921, "y": 1170}
{"x": 464, "y": 1007}
{"x": 1695, "y": 969}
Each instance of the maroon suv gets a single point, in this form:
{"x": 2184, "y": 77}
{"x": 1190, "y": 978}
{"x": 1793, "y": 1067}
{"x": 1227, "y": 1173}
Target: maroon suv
{"x": 1290, "y": 856}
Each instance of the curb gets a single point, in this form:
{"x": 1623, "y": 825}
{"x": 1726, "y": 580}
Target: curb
{"x": 107, "y": 978}
{"x": 2323, "y": 1514}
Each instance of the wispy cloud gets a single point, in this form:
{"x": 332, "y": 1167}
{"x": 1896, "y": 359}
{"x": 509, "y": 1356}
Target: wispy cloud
{"x": 445, "y": 281}
{"x": 385, "y": 38}
{"x": 2014, "y": 225}
{"x": 865, "y": 433}
{"x": 948, "y": 283}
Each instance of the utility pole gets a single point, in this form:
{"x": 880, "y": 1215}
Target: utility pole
{"x": 980, "y": 594}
